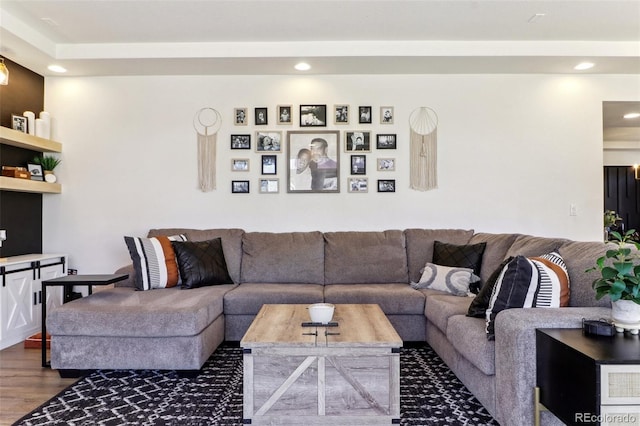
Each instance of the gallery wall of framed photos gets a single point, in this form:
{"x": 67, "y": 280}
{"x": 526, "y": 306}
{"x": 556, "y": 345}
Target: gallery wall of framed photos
{"x": 313, "y": 148}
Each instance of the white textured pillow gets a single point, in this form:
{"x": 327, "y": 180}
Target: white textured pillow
{"x": 446, "y": 278}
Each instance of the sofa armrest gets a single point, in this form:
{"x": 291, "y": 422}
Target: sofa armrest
{"x": 515, "y": 355}
{"x": 129, "y": 282}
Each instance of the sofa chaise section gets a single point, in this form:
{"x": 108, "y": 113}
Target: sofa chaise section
{"x": 123, "y": 328}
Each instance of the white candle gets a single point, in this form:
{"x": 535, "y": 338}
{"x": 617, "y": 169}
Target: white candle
{"x": 31, "y": 122}
{"x": 46, "y": 117}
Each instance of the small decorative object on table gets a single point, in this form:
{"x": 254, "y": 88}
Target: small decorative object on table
{"x": 321, "y": 312}
{"x": 620, "y": 279}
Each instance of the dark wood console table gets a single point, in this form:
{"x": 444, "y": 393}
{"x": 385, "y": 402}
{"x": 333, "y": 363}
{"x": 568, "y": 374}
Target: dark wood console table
{"x": 588, "y": 380}
{"x": 68, "y": 281}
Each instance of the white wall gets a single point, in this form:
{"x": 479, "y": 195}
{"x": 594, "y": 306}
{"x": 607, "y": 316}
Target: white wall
{"x": 514, "y": 151}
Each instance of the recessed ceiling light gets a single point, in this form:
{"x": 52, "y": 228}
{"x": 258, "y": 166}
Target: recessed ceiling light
{"x": 303, "y": 66}
{"x": 57, "y": 68}
{"x": 584, "y": 66}
{"x": 631, "y": 115}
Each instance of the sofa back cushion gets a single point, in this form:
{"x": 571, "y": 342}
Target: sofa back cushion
{"x": 420, "y": 246}
{"x": 365, "y": 257}
{"x": 528, "y": 245}
{"x": 580, "y": 256}
{"x": 495, "y": 251}
{"x": 231, "y": 243}
{"x": 291, "y": 257}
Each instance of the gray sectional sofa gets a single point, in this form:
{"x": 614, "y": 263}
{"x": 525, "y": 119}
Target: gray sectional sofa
{"x": 173, "y": 328}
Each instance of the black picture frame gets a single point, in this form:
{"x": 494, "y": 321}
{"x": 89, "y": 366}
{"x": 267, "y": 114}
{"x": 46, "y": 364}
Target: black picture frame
{"x": 364, "y": 115}
{"x": 386, "y": 141}
{"x": 386, "y": 185}
{"x": 313, "y": 165}
{"x": 36, "y": 171}
{"x": 240, "y": 186}
{"x": 313, "y": 115}
{"x": 261, "y": 116}
{"x": 240, "y": 141}
{"x": 269, "y": 164}
{"x": 358, "y": 164}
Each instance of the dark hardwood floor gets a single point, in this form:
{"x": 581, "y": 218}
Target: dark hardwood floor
{"x": 24, "y": 384}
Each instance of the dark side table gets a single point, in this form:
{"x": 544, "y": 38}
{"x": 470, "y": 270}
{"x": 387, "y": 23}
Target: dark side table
{"x": 588, "y": 380}
{"x": 68, "y": 281}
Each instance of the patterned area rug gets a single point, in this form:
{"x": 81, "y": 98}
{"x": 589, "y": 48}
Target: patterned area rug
{"x": 430, "y": 394}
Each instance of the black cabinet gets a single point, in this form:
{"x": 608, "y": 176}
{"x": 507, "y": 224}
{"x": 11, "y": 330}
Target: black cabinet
{"x": 589, "y": 380}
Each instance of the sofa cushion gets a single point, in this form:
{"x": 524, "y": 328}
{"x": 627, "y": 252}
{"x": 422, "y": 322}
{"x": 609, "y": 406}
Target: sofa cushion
{"x": 231, "y": 243}
{"x": 495, "y": 252}
{"x": 201, "y": 263}
{"x": 529, "y": 282}
{"x": 580, "y": 256}
{"x": 439, "y": 307}
{"x": 154, "y": 261}
{"x": 365, "y": 257}
{"x": 123, "y": 311}
{"x": 420, "y": 246}
{"x": 467, "y": 336}
{"x": 527, "y": 245}
{"x": 446, "y": 278}
{"x": 248, "y": 298}
{"x": 290, "y": 257}
{"x": 393, "y": 298}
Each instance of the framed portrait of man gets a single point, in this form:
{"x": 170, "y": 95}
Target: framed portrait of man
{"x": 314, "y": 161}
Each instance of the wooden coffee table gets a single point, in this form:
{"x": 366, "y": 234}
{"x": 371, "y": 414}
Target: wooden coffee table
{"x": 344, "y": 374}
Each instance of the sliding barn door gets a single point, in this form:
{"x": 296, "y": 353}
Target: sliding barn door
{"x": 622, "y": 194}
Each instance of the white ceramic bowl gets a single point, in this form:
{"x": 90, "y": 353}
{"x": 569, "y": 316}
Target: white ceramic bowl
{"x": 321, "y": 312}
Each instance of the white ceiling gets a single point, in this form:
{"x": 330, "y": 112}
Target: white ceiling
{"x": 145, "y": 37}
{"x": 208, "y": 37}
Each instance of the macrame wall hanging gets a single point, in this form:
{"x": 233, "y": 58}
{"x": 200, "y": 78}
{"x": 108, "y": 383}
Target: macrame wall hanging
{"x": 423, "y": 123}
{"x": 207, "y": 122}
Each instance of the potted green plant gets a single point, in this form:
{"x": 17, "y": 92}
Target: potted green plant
{"x": 48, "y": 163}
{"x": 620, "y": 279}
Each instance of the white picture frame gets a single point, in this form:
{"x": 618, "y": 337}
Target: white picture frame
{"x": 269, "y": 185}
{"x": 239, "y": 164}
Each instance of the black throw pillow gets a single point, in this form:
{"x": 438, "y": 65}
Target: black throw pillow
{"x": 480, "y": 303}
{"x": 461, "y": 256}
{"x": 201, "y": 263}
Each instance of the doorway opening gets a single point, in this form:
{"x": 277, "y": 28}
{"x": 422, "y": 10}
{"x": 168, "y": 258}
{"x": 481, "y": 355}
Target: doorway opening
{"x": 621, "y": 143}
